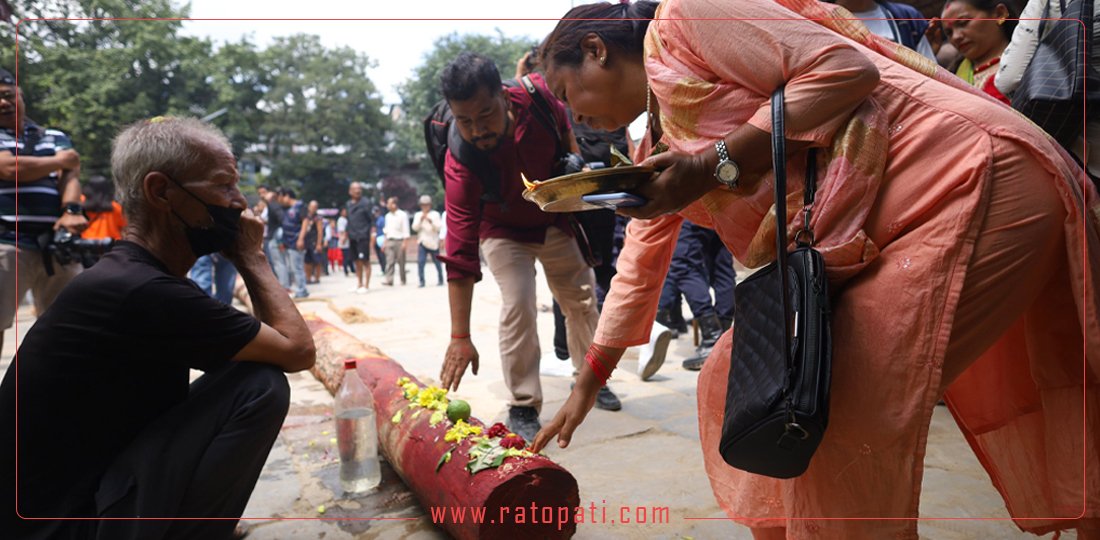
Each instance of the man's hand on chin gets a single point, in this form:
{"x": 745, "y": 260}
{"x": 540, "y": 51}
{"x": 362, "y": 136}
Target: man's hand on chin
{"x": 249, "y": 240}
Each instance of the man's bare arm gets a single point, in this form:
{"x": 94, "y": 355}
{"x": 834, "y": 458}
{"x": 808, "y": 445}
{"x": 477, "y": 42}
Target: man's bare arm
{"x": 284, "y": 339}
{"x": 69, "y": 188}
{"x": 33, "y": 168}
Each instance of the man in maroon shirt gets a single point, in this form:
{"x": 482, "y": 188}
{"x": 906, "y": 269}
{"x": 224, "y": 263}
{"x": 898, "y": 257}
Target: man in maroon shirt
{"x": 502, "y": 132}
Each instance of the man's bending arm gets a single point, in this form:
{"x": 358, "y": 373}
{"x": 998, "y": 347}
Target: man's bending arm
{"x": 33, "y": 168}
{"x": 284, "y": 339}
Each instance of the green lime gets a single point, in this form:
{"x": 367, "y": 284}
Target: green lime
{"x": 458, "y": 410}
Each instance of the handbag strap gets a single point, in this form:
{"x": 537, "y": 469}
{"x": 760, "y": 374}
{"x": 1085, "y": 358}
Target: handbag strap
{"x": 779, "y": 166}
{"x": 804, "y": 238}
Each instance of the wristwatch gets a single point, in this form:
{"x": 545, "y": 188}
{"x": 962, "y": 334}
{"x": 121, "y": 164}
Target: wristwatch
{"x": 74, "y": 208}
{"x": 727, "y": 172}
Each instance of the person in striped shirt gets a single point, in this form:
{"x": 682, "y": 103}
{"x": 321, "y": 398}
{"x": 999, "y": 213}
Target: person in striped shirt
{"x": 39, "y": 194}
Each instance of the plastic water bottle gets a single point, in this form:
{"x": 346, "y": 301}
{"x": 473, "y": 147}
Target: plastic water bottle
{"x": 356, "y": 434}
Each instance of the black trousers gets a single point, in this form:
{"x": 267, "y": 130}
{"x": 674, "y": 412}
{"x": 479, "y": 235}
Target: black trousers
{"x": 201, "y": 459}
{"x": 688, "y": 274}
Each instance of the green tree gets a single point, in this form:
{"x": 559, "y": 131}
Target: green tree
{"x": 323, "y": 122}
{"x": 89, "y": 78}
{"x": 238, "y": 82}
{"x": 421, "y": 91}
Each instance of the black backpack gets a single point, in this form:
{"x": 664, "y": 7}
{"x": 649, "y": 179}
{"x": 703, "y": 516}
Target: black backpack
{"x": 441, "y": 136}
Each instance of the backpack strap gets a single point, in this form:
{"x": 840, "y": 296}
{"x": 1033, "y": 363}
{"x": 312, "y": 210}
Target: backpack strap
{"x": 543, "y": 113}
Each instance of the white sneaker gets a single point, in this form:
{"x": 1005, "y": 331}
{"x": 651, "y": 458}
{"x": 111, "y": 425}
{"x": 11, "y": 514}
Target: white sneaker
{"x": 361, "y": 290}
{"x": 652, "y": 355}
{"x": 354, "y": 289}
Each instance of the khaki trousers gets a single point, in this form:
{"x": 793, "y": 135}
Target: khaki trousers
{"x": 573, "y": 285}
{"x": 31, "y": 272}
{"x": 395, "y": 256}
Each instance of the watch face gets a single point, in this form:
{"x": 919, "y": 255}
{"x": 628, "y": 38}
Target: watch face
{"x": 728, "y": 172}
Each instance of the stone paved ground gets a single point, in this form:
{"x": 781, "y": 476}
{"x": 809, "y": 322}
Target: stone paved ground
{"x": 645, "y": 455}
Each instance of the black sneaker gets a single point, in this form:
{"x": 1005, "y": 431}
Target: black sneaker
{"x": 524, "y": 421}
{"x": 694, "y": 363}
{"x": 607, "y": 400}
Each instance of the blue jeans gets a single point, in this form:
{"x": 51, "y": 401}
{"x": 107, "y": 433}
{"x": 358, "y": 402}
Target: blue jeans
{"x": 277, "y": 258}
{"x": 422, "y": 257}
{"x": 381, "y": 254}
{"x": 296, "y": 260}
{"x": 216, "y": 276}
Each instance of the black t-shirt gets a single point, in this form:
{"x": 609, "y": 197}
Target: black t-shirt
{"x": 360, "y": 219}
{"x": 311, "y": 232}
{"x": 274, "y": 219}
{"x": 109, "y": 356}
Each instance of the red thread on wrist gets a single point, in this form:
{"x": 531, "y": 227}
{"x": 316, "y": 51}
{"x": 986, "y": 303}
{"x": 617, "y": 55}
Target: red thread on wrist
{"x": 598, "y": 366}
{"x": 459, "y": 336}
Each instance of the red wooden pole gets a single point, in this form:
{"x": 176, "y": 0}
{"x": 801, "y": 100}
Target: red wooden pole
{"x": 524, "y": 497}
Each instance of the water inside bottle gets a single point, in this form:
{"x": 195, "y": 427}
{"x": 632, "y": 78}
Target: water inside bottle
{"x": 358, "y": 444}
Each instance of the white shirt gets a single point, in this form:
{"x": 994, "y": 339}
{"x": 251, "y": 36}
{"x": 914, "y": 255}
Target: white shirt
{"x": 397, "y": 226}
{"x": 341, "y": 230}
{"x": 427, "y": 229}
{"x": 1017, "y": 56}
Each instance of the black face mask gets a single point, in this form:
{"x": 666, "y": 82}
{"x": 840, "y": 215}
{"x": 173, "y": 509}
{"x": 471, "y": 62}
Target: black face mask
{"x": 221, "y": 235}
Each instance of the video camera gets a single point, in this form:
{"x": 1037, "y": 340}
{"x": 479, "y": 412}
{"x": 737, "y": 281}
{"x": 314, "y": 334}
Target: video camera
{"x": 66, "y": 248}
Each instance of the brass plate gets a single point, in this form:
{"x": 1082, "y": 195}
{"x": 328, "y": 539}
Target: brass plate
{"x": 563, "y": 194}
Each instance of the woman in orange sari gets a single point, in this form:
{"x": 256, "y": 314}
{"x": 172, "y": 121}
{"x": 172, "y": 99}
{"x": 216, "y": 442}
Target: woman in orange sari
{"x": 961, "y": 246}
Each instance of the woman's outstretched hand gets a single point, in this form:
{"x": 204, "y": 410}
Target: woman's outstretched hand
{"x": 679, "y": 181}
{"x": 565, "y": 422}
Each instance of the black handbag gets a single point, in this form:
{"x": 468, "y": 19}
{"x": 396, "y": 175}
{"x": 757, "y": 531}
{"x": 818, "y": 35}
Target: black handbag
{"x": 777, "y": 401}
{"x": 1052, "y": 91}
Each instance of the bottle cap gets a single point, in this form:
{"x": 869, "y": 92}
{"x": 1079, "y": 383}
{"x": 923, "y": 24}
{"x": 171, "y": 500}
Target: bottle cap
{"x": 349, "y": 364}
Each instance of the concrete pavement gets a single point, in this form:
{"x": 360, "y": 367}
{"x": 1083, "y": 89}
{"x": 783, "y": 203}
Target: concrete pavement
{"x": 646, "y": 455}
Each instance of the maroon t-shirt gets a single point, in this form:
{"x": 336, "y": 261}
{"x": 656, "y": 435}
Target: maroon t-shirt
{"x": 531, "y": 151}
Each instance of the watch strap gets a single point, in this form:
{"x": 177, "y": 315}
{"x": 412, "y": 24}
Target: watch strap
{"x": 720, "y": 147}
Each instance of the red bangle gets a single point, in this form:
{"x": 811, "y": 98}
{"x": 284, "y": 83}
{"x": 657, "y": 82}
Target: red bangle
{"x": 597, "y": 360}
{"x": 597, "y": 368}
{"x": 603, "y": 358}
{"x": 459, "y": 336}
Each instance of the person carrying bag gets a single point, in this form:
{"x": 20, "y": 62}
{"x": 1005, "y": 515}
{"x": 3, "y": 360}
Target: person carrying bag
{"x": 777, "y": 400}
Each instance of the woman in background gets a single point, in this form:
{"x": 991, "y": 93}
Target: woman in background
{"x": 105, "y": 219}
{"x": 980, "y": 30}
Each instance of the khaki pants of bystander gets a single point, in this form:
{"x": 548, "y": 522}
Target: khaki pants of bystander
{"x": 24, "y": 272}
{"x": 395, "y": 256}
{"x": 573, "y": 285}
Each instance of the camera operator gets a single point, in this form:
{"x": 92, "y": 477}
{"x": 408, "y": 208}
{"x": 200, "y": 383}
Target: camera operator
{"x": 47, "y": 188}
{"x": 108, "y": 426}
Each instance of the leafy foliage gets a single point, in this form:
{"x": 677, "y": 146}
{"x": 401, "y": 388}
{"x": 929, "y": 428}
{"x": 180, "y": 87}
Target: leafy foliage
{"x": 420, "y": 92}
{"x": 323, "y": 122}
{"x": 89, "y": 78}
{"x": 297, "y": 113}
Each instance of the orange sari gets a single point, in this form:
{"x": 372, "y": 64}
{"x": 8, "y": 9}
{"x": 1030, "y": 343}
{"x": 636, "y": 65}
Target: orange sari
{"x": 925, "y": 216}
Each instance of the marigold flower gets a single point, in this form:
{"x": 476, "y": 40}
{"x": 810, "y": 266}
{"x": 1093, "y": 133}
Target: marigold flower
{"x": 460, "y": 431}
